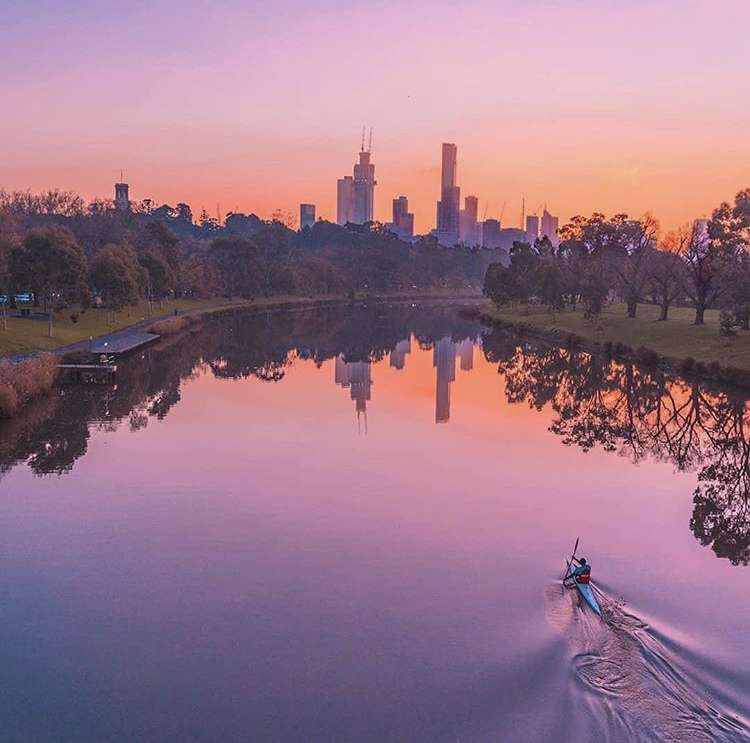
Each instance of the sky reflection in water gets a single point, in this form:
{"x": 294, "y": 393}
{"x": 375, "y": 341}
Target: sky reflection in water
{"x": 263, "y": 532}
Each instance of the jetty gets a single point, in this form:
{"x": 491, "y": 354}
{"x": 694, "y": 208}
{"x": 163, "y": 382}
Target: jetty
{"x": 87, "y": 373}
{"x": 122, "y": 343}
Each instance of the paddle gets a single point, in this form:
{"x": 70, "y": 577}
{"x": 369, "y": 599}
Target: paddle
{"x": 567, "y": 562}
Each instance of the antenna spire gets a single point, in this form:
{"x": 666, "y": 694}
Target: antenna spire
{"x": 362, "y": 146}
{"x": 369, "y": 145}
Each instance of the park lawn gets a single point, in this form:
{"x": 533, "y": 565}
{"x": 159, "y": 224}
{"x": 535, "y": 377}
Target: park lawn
{"x": 27, "y": 335}
{"x": 677, "y": 338}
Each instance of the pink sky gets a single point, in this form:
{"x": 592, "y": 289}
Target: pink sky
{"x": 611, "y": 106}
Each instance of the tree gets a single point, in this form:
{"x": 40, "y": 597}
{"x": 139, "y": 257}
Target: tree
{"x": 632, "y": 265}
{"x": 498, "y": 284}
{"x": 705, "y": 267}
{"x": 51, "y": 264}
{"x": 236, "y": 263}
{"x": 117, "y": 276}
{"x": 666, "y": 271}
{"x": 159, "y": 276}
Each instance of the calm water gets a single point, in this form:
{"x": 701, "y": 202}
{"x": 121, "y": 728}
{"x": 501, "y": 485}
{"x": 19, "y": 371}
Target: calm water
{"x": 350, "y": 525}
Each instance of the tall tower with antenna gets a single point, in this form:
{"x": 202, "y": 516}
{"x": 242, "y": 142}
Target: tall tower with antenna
{"x": 363, "y": 186}
{"x": 122, "y": 198}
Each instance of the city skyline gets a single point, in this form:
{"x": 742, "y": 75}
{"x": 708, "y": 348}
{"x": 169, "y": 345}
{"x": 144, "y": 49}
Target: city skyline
{"x": 589, "y": 125}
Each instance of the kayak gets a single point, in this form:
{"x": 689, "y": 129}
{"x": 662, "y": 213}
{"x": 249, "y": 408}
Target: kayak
{"x": 588, "y": 596}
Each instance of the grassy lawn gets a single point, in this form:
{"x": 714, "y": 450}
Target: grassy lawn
{"x": 27, "y": 335}
{"x": 677, "y": 338}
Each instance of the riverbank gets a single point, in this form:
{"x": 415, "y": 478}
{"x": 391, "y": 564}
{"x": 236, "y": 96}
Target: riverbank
{"x": 676, "y": 343}
{"x": 73, "y": 328}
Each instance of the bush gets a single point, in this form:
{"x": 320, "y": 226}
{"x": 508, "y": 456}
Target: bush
{"x": 727, "y": 324}
{"x": 647, "y": 356}
{"x": 700, "y": 368}
{"x": 74, "y": 318}
{"x": 735, "y": 376}
{"x": 714, "y": 370}
{"x": 169, "y": 326}
{"x": 22, "y": 382}
{"x": 621, "y": 349}
{"x": 608, "y": 348}
{"x": 688, "y": 365}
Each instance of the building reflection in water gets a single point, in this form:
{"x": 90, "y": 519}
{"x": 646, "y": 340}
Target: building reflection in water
{"x": 398, "y": 354}
{"x": 357, "y": 376}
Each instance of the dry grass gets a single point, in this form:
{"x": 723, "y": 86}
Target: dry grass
{"x": 20, "y": 383}
{"x": 169, "y": 326}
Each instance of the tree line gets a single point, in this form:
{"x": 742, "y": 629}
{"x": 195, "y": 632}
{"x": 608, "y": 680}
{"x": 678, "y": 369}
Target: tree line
{"x": 61, "y": 250}
{"x": 705, "y": 264}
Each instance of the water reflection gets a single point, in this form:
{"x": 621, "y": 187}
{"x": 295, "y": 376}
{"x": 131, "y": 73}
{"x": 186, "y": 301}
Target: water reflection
{"x": 593, "y": 401}
{"x": 640, "y": 413}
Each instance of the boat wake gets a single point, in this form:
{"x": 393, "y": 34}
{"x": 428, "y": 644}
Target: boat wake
{"x": 637, "y": 685}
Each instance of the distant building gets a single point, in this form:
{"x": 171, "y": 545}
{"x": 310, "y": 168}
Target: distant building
{"x": 306, "y": 215}
{"x": 449, "y": 206}
{"x": 549, "y": 227}
{"x": 403, "y": 219}
{"x": 510, "y": 235}
{"x": 122, "y": 197}
{"x": 345, "y": 200}
{"x": 364, "y": 189}
{"x": 491, "y": 233}
{"x": 468, "y": 227}
{"x": 532, "y": 229}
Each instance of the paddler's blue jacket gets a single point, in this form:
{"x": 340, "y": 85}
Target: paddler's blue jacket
{"x": 581, "y": 570}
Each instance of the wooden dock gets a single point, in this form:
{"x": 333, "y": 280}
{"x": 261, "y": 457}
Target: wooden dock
{"x": 87, "y": 373}
{"x": 124, "y": 344}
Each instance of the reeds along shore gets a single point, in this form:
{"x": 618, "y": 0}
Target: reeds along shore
{"x": 22, "y": 382}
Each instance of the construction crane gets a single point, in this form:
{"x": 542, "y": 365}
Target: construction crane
{"x": 502, "y": 212}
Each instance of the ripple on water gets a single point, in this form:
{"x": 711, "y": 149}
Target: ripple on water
{"x": 633, "y": 684}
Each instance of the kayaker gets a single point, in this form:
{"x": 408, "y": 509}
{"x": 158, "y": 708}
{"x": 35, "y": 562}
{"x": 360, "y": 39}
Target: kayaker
{"x": 582, "y": 573}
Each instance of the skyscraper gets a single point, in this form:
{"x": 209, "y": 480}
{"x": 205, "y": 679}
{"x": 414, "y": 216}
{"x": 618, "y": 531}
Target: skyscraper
{"x": 306, "y": 215}
{"x": 468, "y": 226}
{"x": 345, "y": 200}
{"x": 450, "y": 198}
{"x": 532, "y": 228}
{"x": 403, "y": 219}
{"x": 122, "y": 199}
{"x": 364, "y": 189}
{"x": 549, "y": 227}
{"x": 398, "y": 354}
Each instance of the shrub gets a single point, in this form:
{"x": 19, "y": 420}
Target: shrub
{"x": 688, "y": 365}
{"x": 727, "y": 324}
{"x": 169, "y": 326}
{"x": 700, "y": 368}
{"x": 608, "y": 348}
{"x": 621, "y": 349}
{"x": 647, "y": 356}
{"x": 8, "y": 400}
{"x": 22, "y": 382}
{"x": 735, "y": 376}
{"x": 74, "y": 318}
{"x": 714, "y": 370}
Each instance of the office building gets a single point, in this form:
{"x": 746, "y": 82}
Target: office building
{"x": 403, "y": 219}
{"x": 449, "y": 206}
{"x": 468, "y": 227}
{"x": 122, "y": 198}
{"x": 491, "y": 233}
{"x": 306, "y": 215}
{"x": 532, "y": 229}
{"x": 363, "y": 202}
{"x": 345, "y": 200}
{"x": 549, "y": 227}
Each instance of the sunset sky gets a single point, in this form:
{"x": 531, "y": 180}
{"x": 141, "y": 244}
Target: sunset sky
{"x": 586, "y": 105}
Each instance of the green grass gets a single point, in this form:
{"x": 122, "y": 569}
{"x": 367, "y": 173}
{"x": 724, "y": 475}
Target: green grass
{"x": 27, "y": 335}
{"x": 677, "y": 338}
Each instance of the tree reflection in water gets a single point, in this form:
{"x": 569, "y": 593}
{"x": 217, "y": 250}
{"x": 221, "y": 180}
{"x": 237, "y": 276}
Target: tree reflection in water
{"x": 52, "y": 433}
{"x": 638, "y": 413}
{"x": 595, "y": 401}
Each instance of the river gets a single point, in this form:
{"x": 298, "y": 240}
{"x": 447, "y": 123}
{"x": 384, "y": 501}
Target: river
{"x": 350, "y": 524}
